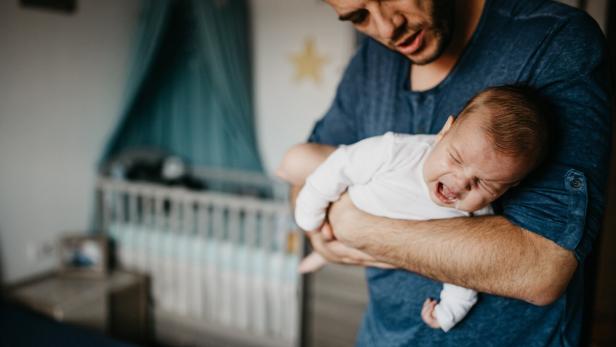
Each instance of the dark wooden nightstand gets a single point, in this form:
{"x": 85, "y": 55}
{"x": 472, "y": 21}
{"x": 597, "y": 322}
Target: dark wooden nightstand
{"x": 117, "y": 304}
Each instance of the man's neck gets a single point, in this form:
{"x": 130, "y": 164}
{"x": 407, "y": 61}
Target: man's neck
{"x": 468, "y": 13}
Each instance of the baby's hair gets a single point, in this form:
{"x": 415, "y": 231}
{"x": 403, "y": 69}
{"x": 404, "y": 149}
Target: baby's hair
{"x": 516, "y": 122}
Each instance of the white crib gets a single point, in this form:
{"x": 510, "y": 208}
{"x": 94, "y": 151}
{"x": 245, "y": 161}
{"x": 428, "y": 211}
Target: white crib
{"x": 221, "y": 264}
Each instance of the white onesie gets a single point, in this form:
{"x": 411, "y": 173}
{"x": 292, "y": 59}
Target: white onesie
{"x": 384, "y": 177}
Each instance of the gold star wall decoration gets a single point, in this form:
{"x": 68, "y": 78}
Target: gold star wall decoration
{"x": 308, "y": 63}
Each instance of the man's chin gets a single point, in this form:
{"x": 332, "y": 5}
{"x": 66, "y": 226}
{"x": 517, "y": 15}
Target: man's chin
{"x": 421, "y": 61}
{"x": 436, "y": 44}
{"x": 427, "y": 55}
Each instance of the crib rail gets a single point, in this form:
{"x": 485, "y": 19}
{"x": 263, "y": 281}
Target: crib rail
{"x": 216, "y": 259}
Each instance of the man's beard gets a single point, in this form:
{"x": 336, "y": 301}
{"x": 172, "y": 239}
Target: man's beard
{"x": 443, "y": 19}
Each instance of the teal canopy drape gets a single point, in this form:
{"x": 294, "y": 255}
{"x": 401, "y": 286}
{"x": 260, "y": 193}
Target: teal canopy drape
{"x": 189, "y": 91}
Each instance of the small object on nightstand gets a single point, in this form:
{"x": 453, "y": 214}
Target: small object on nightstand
{"x": 84, "y": 255}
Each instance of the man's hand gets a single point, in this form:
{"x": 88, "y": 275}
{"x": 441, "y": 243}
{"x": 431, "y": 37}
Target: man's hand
{"x": 335, "y": 251}
{"x": 338, "y": 213}
{"x": 324, "y": 242}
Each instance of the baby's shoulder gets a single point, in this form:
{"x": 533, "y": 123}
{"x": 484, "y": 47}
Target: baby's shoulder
{"x": 408, "y": 148}
{"x": 411, "y": 142}
{"x": 403, "y": 138}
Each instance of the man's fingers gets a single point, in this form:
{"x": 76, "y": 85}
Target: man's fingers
{"x": 318, "y": 244}
{"x": 327, "y": 232}
{"x": 380, "y": 265}
{"x": 348, "y": 252}
{"x": 337, "y": 252}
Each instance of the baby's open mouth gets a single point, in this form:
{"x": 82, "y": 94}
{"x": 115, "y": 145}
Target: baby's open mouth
{"x": 444, "y": 194}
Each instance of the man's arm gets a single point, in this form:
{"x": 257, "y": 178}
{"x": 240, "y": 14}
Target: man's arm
{"x": 301, "y": 160}
{"x": 488, "y": 254}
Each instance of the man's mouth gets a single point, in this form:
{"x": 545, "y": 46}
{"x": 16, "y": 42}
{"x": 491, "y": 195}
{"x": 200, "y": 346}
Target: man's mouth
{"x": 411, "y": 43}
{"x": 445, "y": 195}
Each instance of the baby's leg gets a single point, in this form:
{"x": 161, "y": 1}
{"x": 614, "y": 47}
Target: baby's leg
{"x": 455, "y": 303}
{"x": 301, "y": 160}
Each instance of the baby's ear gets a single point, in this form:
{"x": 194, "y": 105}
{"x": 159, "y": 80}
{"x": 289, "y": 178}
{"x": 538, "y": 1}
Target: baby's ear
{"x": 445, "y": 128}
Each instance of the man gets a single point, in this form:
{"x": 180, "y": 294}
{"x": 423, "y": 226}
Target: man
{"x": 423, "y": 60}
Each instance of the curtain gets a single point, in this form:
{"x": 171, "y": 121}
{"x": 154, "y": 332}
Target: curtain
{"x": 192, "y": 96}
{"x": 151, "y": 24}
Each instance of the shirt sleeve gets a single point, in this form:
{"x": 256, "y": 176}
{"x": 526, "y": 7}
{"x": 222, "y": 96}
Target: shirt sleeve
{"x": 338, "y": 126}
{"x": 563, "y": 200}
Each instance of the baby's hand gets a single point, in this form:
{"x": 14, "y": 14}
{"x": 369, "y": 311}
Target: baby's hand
{"x": 427, "y": 313}
{"x": 310, "y": 209}
{"x": 308, "y": 219}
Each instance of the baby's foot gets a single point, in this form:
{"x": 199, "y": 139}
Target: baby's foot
{"x": 313, "y": 262}
{"x": 427, "y": 313}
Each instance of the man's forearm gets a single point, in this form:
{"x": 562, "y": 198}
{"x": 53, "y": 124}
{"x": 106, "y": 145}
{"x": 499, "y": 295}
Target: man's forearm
{"x": 488, "y": 254}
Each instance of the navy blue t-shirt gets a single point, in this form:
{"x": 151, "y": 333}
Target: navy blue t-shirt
{"x": 558, "y": 50}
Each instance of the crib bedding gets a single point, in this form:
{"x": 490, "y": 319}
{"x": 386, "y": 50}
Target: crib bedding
{"x": 234, "y": 284}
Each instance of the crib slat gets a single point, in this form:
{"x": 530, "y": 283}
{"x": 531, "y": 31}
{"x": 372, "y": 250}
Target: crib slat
{"x": 209, "y": 280}
{"x": 235, "y": 271}
{"x": 169, "y": 245}
{"x": 248, "y": 233}
{"x": 186, "y": 253}
{"x": 219, "y": 261}
{"x": 176, "y": 256}
{"x": 195, "y": 292}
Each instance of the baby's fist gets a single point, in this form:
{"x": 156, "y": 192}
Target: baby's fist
{"x": 427, "y": 313}
{"x": 309, "y": 220}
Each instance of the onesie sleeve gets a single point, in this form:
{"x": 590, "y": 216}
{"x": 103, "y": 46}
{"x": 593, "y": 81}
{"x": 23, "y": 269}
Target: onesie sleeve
{"x": 564, "y": 199}
{"x": 455, "y": 304}
{"x": 346, "y": 166}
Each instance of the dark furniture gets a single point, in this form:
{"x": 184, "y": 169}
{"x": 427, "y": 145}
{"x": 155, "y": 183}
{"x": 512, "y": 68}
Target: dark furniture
{"x": 116, "y": 305}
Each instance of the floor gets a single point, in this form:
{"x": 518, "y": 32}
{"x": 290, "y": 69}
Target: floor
{"x": 337, "y": 296}
{"x": 335, "y": 300}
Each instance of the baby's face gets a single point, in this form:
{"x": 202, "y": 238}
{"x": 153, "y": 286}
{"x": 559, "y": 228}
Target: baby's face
{"x": 465, "y": 172}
